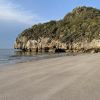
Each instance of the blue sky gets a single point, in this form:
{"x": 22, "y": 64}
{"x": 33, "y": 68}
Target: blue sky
{"x": 17, "y": 15}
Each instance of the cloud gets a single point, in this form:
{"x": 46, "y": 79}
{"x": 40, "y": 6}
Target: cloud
{"x": 13, "y": 12}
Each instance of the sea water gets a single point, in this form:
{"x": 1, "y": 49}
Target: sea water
{"x": 12, "y": 56}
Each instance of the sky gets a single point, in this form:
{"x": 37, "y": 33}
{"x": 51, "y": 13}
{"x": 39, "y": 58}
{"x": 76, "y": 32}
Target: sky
{"x": 17, "y": 15}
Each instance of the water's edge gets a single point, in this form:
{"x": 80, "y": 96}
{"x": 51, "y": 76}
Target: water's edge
{"x": 11, "y": 56}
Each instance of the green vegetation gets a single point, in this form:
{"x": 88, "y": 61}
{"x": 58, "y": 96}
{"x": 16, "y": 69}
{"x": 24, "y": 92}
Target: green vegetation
{"x": 83, "y": 23}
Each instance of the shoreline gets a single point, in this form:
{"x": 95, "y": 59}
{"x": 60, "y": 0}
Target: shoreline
{"x": 37, "y": 58}
{"x": 47, "y": 57}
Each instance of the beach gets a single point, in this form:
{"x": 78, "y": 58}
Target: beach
{"x": 62, "y": 78}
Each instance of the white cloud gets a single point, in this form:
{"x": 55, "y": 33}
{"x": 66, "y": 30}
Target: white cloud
{"x": 13, "y": 12}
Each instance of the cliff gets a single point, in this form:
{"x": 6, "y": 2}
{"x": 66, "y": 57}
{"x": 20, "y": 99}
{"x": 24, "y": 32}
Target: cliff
{"x": 78, "y": 31}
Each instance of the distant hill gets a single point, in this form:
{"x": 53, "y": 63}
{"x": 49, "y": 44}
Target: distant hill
{"x": 79, "y": 30}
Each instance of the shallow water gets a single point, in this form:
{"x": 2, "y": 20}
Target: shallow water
{"x": 11, "y": 56}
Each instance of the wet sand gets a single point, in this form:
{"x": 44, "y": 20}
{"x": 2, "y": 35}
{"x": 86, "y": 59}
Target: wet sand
{"x": 63, "y": 78}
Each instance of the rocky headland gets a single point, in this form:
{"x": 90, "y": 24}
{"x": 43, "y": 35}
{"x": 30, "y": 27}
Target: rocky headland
{"x": 78, "y": 31}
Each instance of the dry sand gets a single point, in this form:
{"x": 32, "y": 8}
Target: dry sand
{"x": 63, "y": 78}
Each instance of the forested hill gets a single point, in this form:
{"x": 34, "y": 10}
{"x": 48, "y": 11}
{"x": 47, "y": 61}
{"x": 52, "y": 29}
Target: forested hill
{"x": 80, "y": 25}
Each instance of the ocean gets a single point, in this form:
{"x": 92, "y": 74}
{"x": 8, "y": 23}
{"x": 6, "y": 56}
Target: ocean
{"x": 12, "y": 56}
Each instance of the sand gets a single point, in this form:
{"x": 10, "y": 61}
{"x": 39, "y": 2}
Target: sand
{"x": 63, "y": 78}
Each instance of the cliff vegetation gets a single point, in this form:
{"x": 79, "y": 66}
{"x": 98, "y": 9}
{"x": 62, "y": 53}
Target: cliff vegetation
{"x": 79, "y": 30}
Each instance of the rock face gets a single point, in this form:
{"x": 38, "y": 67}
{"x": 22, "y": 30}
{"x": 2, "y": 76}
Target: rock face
{"x": 41, "y": 44}
{"x": 78, "y": 31}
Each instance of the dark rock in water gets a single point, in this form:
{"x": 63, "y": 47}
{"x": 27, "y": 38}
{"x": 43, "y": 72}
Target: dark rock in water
{"x": 59, "y": 50}
{"x": 78, "y": 31}
{"x": 46, "y": 49}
